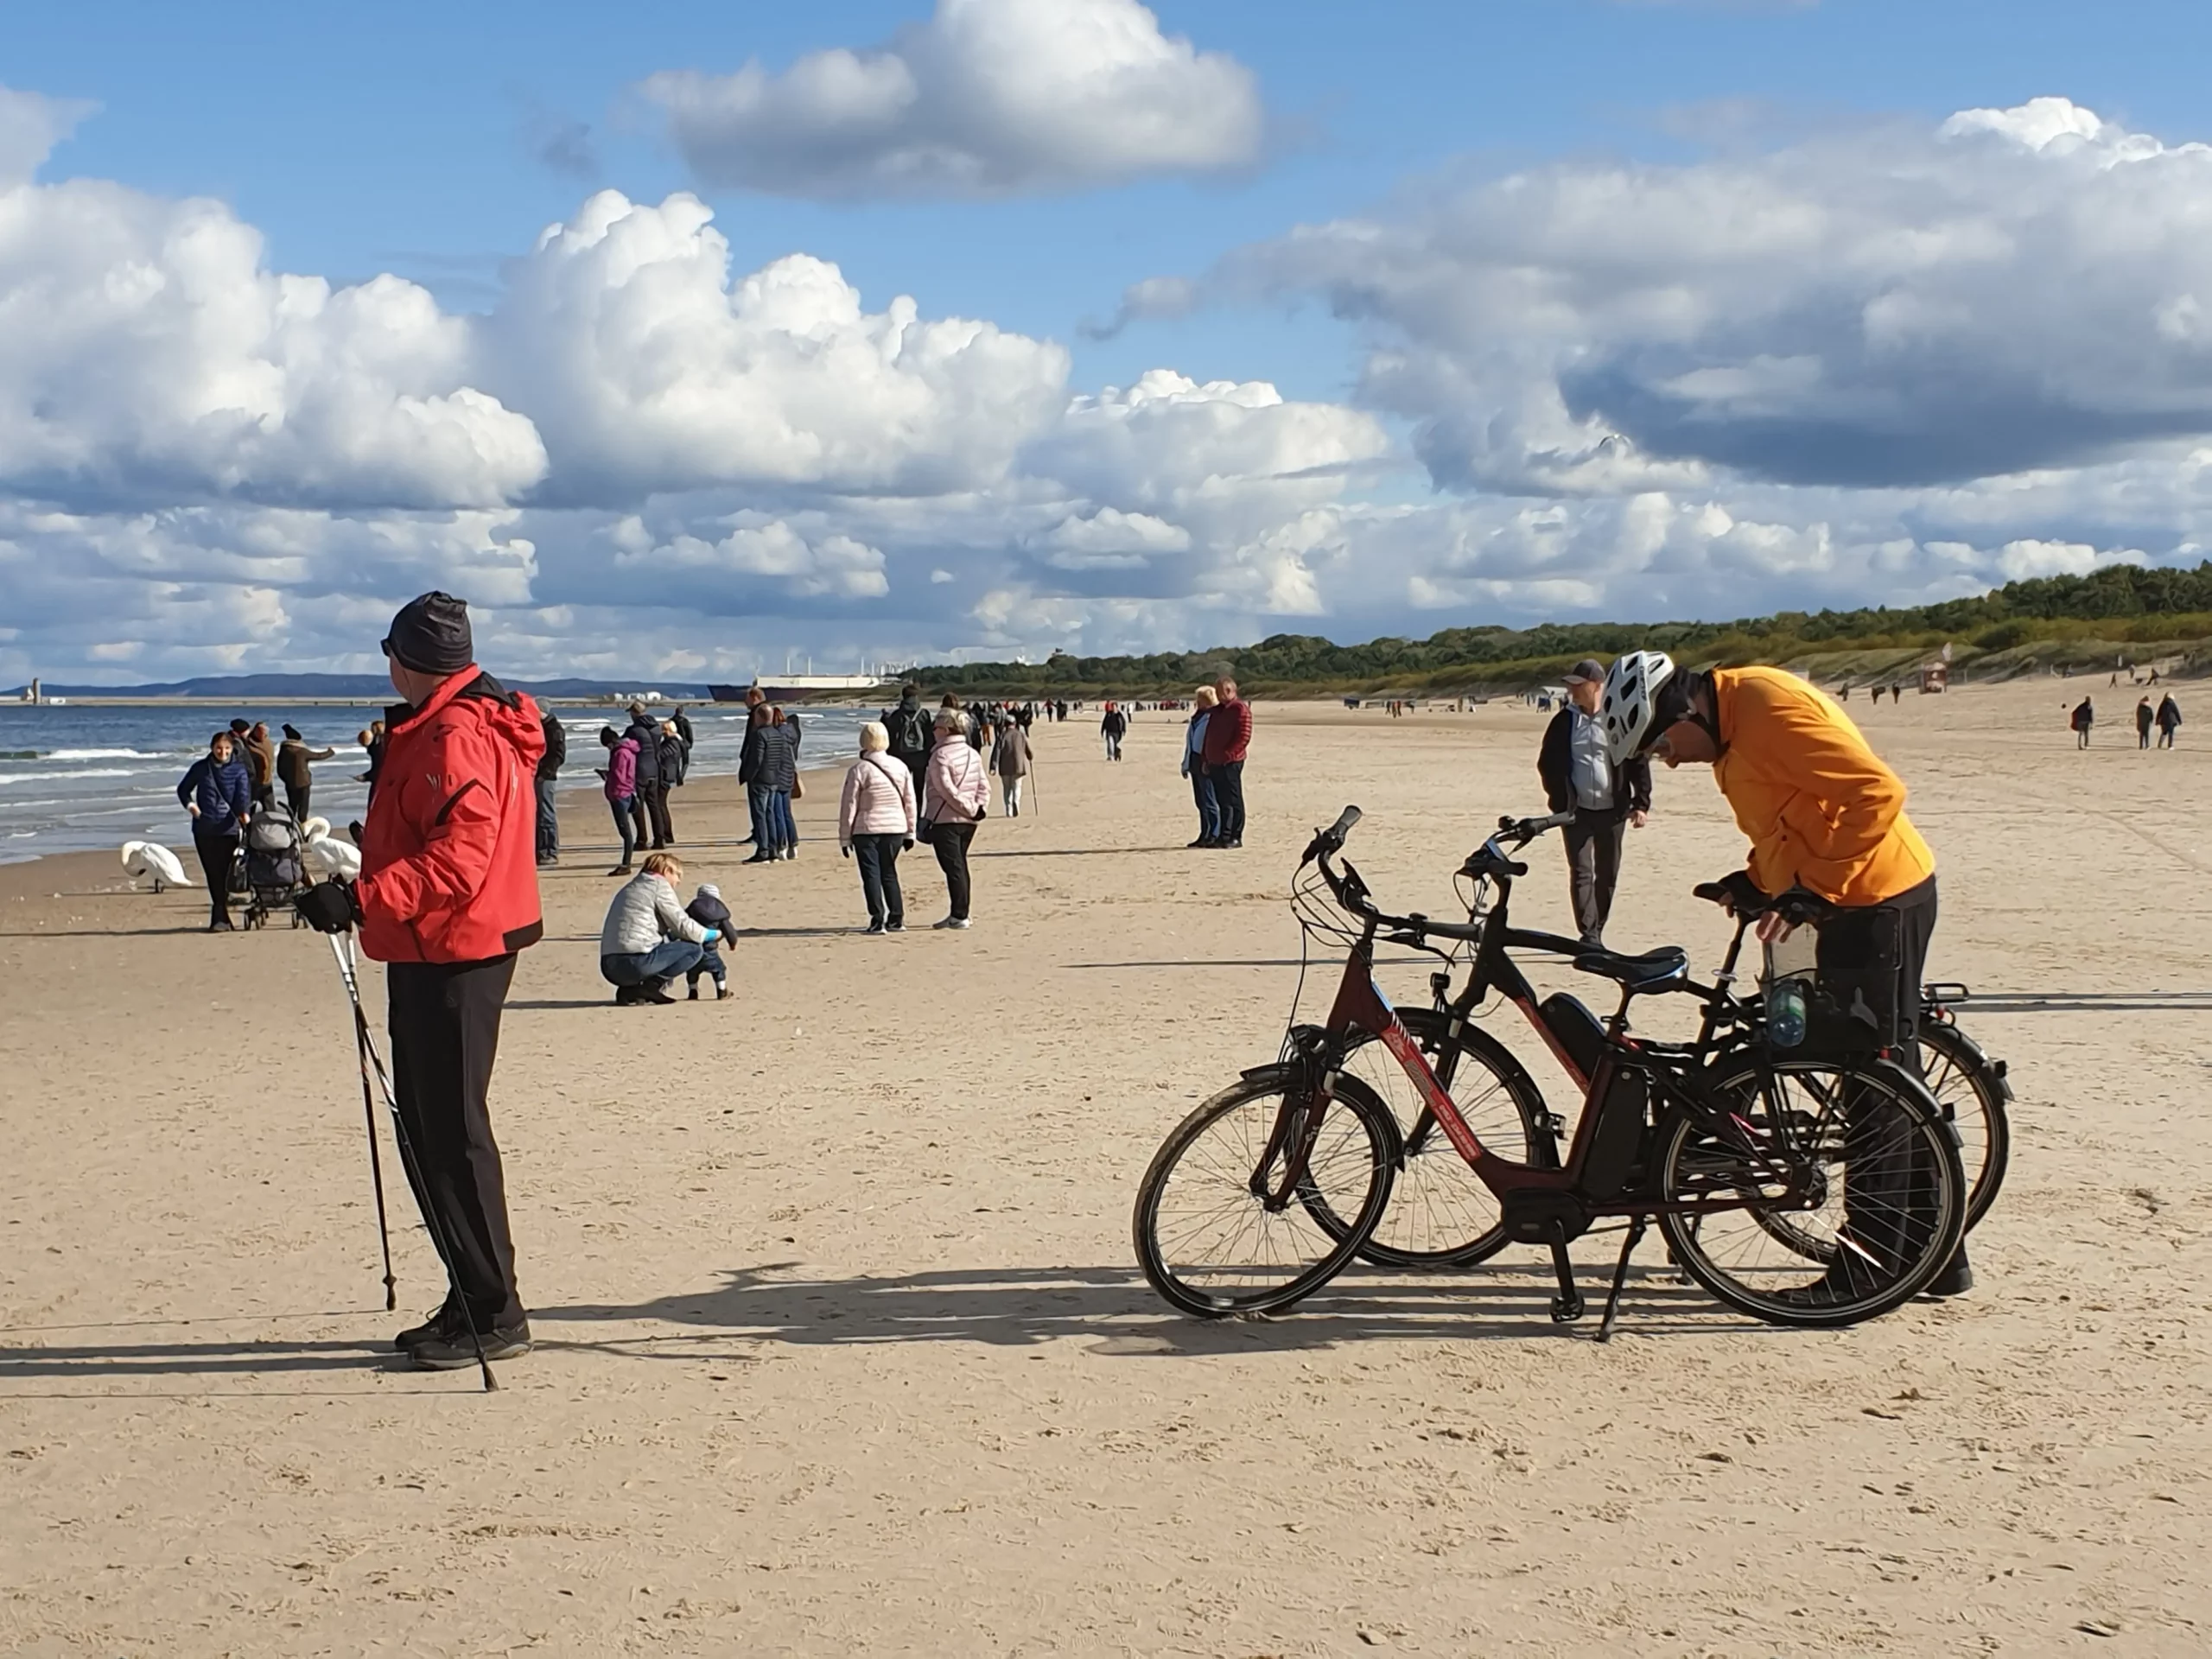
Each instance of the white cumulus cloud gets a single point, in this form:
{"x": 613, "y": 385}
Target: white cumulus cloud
{"x": 988, "y": 97}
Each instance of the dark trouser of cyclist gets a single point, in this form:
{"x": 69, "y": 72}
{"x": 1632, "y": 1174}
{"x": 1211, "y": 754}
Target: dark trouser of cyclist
{"x": 1593, "y": 842}
{"x": 1877, "y": 953}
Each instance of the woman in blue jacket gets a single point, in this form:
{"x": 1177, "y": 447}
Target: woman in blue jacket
{"x": 220, "y": 797}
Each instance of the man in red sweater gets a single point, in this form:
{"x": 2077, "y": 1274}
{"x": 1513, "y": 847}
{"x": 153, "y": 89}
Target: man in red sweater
{"x": 448, "y": 894}
{"x": 1229, "y": 733}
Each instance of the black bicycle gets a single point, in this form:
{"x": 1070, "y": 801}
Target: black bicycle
{"x": 1441, "y": 1216}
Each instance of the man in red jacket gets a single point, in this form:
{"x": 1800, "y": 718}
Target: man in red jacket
{"x": 1229, "y": 733}
{"x": 448, "y": 894}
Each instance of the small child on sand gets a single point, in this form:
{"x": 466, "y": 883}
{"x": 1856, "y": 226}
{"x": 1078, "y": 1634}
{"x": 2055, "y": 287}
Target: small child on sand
{"x": 707, "y": 910}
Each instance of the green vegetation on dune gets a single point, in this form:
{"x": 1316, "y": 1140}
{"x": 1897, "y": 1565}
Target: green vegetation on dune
{"x": 2137, "y": 612}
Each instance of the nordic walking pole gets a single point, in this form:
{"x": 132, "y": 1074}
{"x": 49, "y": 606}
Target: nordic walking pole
{"x": 371, "y": 1061}
{"x": 376, "y": 1162}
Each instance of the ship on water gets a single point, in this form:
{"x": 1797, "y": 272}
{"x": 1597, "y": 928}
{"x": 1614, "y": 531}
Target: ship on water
{"x": 797, "y": 687}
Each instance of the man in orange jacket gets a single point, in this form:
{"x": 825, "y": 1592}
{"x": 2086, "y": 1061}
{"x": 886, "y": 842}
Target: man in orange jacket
{"x": 1823, "y": 813}
{"x": 448, "y": 894}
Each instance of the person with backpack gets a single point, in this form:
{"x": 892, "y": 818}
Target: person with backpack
{"x": 907, "y": 727}
{"x": 875, "y": 823}
{"x": 2083, "y": 717}
{"x": 548, "y": 771}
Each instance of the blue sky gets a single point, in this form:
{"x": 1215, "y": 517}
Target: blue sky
{"x": 436, "y": 143}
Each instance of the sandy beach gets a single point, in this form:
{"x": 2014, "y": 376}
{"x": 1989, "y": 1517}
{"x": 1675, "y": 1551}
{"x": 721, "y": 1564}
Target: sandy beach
{"x": 841, "y": 1348}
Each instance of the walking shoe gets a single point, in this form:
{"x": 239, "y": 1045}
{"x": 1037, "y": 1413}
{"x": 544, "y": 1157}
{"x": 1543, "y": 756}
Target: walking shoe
{"x": 1955, "y": 1280}
{"x": 759, "y": 858}
{"x": 954, "y": 921}
{"x": 452, "y": 1348}
{"x": 628, "y": 996}
{"x": 722, "y": 993}
{"x": 894, "y": 927}
{"x": 1229, "y": 846}
{"x": 620, "y": 870}
{"x": 1203, "y": 840}
{"x": 415, "y": 1335}
{"x": 692, "y": 996}
{"x": 655, "y": 994}
{"x": 874, "y": 927}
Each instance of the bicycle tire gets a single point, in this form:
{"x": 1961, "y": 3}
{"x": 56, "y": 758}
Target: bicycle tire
{"x": 1440, "y": 1213}
{"x": 1356, "y": 1146}
{"x": 1955, "y": 1068}
{"x": 1905, "y": 1129}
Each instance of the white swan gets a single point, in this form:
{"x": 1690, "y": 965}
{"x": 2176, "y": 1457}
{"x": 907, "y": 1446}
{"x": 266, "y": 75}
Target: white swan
{"x": 314, "y": 827}
{"x": 327, "y": 856}
{"x": 151, "y": 858}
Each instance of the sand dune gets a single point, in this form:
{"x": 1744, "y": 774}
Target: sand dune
{"x": 842, "y": 1349}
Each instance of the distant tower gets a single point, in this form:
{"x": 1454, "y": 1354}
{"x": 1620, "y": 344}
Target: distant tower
{"x": 37, "y": 694}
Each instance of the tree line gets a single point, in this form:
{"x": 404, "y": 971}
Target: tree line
{"x": 2119, "y": 604}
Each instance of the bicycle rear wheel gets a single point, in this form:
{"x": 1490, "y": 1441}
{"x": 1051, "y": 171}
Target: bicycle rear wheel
{"x": 1834, "y": 1187}
{"x": 1440, "y": 1214}
{"x": 1973, "y": 1093}
{"x": 1211, "y": 1246}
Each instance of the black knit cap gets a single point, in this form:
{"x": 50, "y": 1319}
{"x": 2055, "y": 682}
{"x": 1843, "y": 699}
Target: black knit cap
{"x": 431, "y": 635}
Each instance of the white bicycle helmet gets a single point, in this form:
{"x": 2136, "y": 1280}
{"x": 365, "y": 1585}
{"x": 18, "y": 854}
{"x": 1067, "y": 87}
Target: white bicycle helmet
{"x": 1631, "y": 703}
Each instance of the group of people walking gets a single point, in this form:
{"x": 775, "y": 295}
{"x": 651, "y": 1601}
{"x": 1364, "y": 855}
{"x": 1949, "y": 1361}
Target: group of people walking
{"x": 645, "y": 762}
{"x": 2165, "y": 718}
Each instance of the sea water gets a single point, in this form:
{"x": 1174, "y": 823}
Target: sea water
{"x": 77, "y": 778}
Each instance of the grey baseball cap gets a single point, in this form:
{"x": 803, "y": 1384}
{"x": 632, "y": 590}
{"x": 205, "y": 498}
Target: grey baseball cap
{"x": 1589, "y": 671}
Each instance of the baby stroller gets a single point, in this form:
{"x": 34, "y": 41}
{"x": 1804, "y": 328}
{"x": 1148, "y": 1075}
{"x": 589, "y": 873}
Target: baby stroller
{"x": 272, "y": 865}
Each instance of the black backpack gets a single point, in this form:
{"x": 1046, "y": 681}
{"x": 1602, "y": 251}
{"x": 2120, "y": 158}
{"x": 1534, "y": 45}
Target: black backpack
{"x": 910, "y": 731}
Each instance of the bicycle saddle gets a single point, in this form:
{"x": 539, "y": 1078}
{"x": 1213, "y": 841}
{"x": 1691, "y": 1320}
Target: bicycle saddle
{"x": 1645, "y": 973}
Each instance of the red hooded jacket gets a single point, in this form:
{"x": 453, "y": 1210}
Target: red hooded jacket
{"x": 449, "y": 853}
{"x": 1228, "y": 733}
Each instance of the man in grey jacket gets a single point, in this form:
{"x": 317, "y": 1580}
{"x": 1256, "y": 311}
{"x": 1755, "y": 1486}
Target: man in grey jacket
{"x": 1605, "y": 799}
{"x": 648, "y": 938}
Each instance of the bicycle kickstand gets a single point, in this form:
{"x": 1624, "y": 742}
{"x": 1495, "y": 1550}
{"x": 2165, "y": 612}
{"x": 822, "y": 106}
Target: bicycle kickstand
{"x": 1567, "y": 1306}
{"x": 1620, "y": 1278}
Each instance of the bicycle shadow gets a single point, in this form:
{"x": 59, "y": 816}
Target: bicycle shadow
{"x": 1022, "y": 1307}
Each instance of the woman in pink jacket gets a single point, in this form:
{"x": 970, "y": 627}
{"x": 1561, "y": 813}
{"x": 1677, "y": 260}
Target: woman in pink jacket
{"x": 875, "y": 823}
{"x": 622, "y": 774}
{"x": 957, "y": 787}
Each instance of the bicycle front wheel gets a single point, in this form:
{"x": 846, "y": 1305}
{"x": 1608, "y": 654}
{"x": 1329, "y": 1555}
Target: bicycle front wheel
{"x": 1212, "y": 1246}
{"x": 1815, "y": 1193}
{"x": 1440, "y": 1213}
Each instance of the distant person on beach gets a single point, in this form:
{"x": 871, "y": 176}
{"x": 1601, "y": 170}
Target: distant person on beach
{"x": 372, "y": 743}
{"x": 217, "y": 793}
{"x": 549, "y": 773}
{"x": 707, "y": 910}
{"x": 787, "y": 826}
{"x": 1202, "y": 703}
{"x": 293, "y": 756}
{"x": 876, "y": 822}
{"x": 2168, "y": 721}
{"x": 2143, "y": 718}
{"x": 909, "y": 726}
{"x": 1010, "y": 760}
{"x": 648, "y": 937}
{"x": 651, "y": 809}
{"x": 261, "y": 764}
{"x": 681, "y": 721}
{"x": 2081, "y": 719}
{"x": 1578, "y": 777}
{"x": 622, "y": 789}
{"x": 757, "y": 807}
{"x": 1229, "y": 736}
{"x": 957, "y": 795}
{"x": 447, "y": 897}
{"x": 775, "y": 770}
{"x": 1113, "y": 726}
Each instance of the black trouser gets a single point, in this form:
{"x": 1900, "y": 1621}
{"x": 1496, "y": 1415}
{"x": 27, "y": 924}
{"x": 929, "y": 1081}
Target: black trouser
{"x": 919, "y": 767}
{"x": 1228, "y": 796}
{"x": 217, "y": 850}
{"x": 948, "y": 840}
{"x": 652, "y": 810}
{"x": 295, "y": 801}
{"x": 2142, "y": 737}
{"x": 548, "y": 821}
{"x": 878, "y": 857}
{"x": 1593, "y": 841}
{"x": 1878, "y": 954}
{"x": 263, "y": 795}
{"x": 445, "y": 1034}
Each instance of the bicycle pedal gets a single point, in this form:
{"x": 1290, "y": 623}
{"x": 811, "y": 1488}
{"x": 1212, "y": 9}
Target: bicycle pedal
{"x": 1565, "y": 1310}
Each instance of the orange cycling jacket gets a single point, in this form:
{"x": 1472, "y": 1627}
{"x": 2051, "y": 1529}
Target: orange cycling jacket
{"x": 1822, "y": 810}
